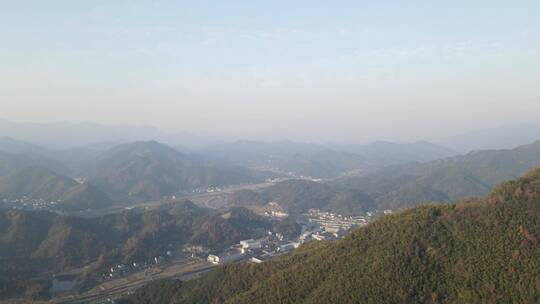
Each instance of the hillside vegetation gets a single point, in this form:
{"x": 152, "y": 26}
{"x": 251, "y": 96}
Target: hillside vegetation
{"x": 476, "y": 251}
{"x": 470, "y": 175}
{"x": 152, "y": 170}
{"x": 41, "y": 183}
{"x": 399, "y": 186}
{"x": 298, "y": 196}
{"x": 33, "y": 243}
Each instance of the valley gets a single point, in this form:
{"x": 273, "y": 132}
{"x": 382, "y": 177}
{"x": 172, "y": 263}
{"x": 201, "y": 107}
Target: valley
{"x": 269, "y": 152}
{"x": 142, "y": 212}
{"x": 183, "y": 268}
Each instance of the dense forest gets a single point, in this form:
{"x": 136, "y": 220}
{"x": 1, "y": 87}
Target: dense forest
{"x": 474, "y": 251}
{"x": 35, "y": 245}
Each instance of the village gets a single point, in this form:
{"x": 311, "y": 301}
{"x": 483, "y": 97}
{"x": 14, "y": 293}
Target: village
{"x": 316, "y": 225}
{"x": 27, "y": 203}
{"x": 190, "y": 261}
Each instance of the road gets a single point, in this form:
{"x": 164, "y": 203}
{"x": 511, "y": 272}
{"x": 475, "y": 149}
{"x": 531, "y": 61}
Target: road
{"x": 183, "y": 269}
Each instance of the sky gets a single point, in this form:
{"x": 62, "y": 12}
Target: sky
{"x": 342, "y": 71}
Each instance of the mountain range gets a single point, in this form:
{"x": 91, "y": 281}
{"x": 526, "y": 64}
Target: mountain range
{"x": 41, "y": 183}
{"x": 134, "y": 171}
{"x": 324, "y": 161}
{"x": 399, "y": 186}
{"x": 449, "y": 179}
{"x": 62, "y": 135}
{"x": 502, "y": 137}
{"x": 152, "y": 170}
{"x": 65, "y": 135}
{"x": 476, "y": 251}
{"x": 357, "y": 179}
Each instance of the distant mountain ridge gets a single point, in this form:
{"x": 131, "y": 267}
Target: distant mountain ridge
{"x": 454, "y": 178}
{"x": 10, "y": 163}
{"x": 400, "y": 186}
{"x": 325, "y": 161}
{"x": 387, "y": 153}
{"x": 64, "y": 135}
{"x": 503, "y": 137}
{"x": 138, "y": 170}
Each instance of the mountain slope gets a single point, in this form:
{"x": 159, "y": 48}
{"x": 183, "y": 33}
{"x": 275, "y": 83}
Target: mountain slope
{"x": 13, "y": 146}
{"x": 33, "y": 245}
{"x": 151, "y": 170}
{"x": 479, "y": 251}
{"x": 298, "y": 196}
{"x": 62, "y": 135}
{"x": 473, "y": 174}
{"x": 11, "y": 163}
{"x": 41, "y": 183}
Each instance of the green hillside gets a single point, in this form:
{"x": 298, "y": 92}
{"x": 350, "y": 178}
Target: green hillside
{"x": 41, "y": 183}
{"x": 152, "y": 170}
{"x": 34, "y": 245}
{"x": 400, "y": 186}
{"x": 477, "y": 251}
{"x": 298, "y": 196}
{"x": 470, "y": 175}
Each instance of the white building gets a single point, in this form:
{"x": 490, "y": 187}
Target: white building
{"x": 227, "y": 257}
{"x": 288, "y": 247}
{"x": 250, "y": 244}
{"x": 255, "y": 260}
{"x": 319, "y": 237}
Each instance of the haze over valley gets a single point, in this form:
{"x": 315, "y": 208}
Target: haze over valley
{"x": 284, "y": 152}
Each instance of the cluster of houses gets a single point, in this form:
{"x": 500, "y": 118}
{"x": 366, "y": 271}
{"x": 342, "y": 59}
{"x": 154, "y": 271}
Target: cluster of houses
{"x": 319, "y": 225}
{"x": 336, "y": 223}
{"x": 255, "y": 251}
{"x": 27, "y": 203}
{"x": 276, "y": 214}
{"x": 124, "y": 269}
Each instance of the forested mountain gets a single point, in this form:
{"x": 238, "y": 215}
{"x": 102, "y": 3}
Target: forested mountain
{"x": 74, "y": 162}
{"x": 400, "y": 186}
{"x": 472, "y": 174}
{"x": 41, "y": 183}
{"x": 477, "y": 251}
{"x": 37, "y": 244}
{"x": 298, "y": 196}
{"x": 152, "y": 170}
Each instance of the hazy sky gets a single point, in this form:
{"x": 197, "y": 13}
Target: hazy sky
{"x": 311, "y": 70}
